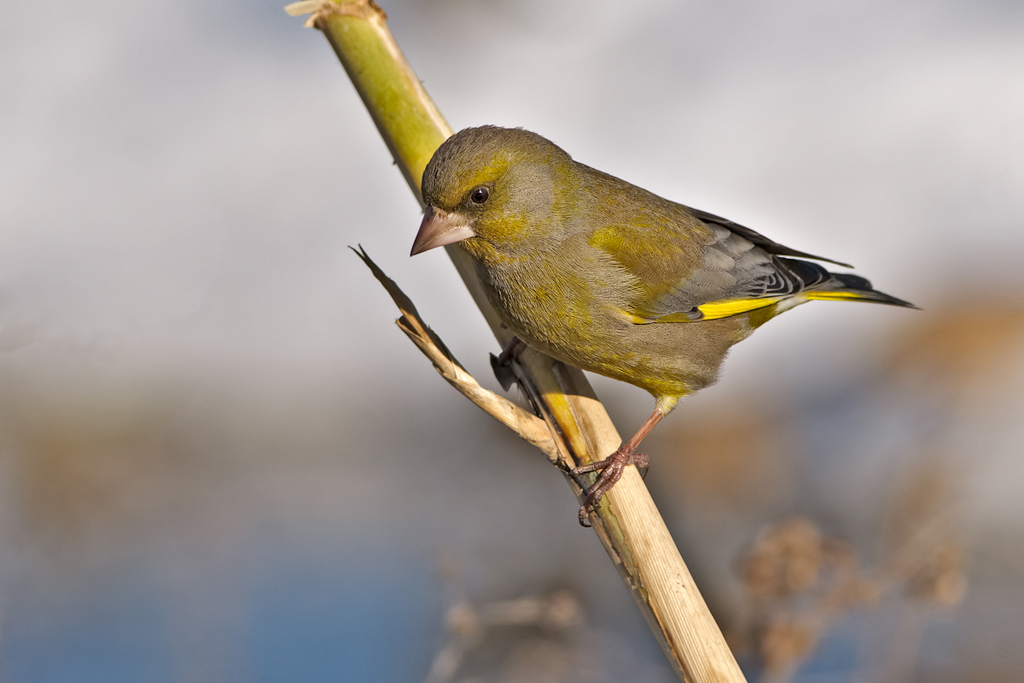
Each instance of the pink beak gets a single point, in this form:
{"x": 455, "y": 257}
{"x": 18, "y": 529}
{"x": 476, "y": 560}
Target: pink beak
{"x": 440, "y": 228}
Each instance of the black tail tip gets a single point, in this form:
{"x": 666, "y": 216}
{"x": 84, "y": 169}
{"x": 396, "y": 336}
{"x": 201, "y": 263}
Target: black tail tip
{"x": 856, "y": 283}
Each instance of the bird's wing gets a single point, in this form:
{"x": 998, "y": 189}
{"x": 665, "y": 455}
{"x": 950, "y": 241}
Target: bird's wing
{"x": 771, "y": 246}
{"x": 700, "y": 267}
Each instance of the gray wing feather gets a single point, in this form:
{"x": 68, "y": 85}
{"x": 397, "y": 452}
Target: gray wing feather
{"x": 770, "y": 246}
{"x": 734, "y": 267}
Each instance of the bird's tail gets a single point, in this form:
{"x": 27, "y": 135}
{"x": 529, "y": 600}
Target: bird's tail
{"x": 825, "y": 285}
{"x": 845, "y": 287}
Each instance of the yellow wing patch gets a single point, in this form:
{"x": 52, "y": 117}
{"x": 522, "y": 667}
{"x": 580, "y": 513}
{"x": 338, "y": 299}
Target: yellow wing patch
{"x": 836, "y": 296}
{"x": 723, "y": 309}
{"x": 709, "y": 311}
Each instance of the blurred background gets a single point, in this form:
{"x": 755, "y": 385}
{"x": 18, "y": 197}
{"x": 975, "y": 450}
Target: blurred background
{"x": 220, "y": 461}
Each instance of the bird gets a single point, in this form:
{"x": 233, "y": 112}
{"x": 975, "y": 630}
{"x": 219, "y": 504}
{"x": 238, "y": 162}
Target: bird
{"x": 608, "y": 277}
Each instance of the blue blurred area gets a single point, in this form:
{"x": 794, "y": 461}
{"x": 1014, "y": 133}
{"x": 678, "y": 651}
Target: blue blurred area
{"x": 360, "y": 617}
{"x": 114, "y": 628}
{"x": 297, "y": 607}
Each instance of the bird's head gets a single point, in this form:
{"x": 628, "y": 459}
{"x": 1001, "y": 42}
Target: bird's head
{"x": 495, "y": 187}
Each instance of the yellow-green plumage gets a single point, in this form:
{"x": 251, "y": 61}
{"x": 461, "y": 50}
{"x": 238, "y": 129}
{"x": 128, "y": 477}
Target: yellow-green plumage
{"x": 606, "y": 276}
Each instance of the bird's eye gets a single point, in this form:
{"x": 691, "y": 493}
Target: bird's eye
{"x": 479, "y": 195}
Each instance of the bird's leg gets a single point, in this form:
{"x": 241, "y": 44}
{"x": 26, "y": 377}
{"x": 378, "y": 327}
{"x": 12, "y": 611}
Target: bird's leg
{"x": 611, "y": 467}
{"x": 502, "y": 363}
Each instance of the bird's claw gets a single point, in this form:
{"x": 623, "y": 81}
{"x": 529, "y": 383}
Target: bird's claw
{"x": 611, "y": 469}
{"x": 503, "y": 372}
{"x": 502, "y": 363}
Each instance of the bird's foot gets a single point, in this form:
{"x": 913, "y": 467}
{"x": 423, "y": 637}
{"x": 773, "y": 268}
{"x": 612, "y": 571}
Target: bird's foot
{"x": 503, "y": 372}
{"x": 502, "y": 363}
{"x": 611, "y": 469}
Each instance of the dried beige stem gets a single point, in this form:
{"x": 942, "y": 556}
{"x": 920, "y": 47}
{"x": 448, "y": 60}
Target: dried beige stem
{"x": 529, "y": 427}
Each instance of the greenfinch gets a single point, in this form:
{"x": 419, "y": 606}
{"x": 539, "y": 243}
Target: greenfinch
{"x": 608, "y": 277}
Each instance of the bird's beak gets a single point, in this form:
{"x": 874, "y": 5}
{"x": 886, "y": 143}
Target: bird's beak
{"x": 440, "y": 228}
